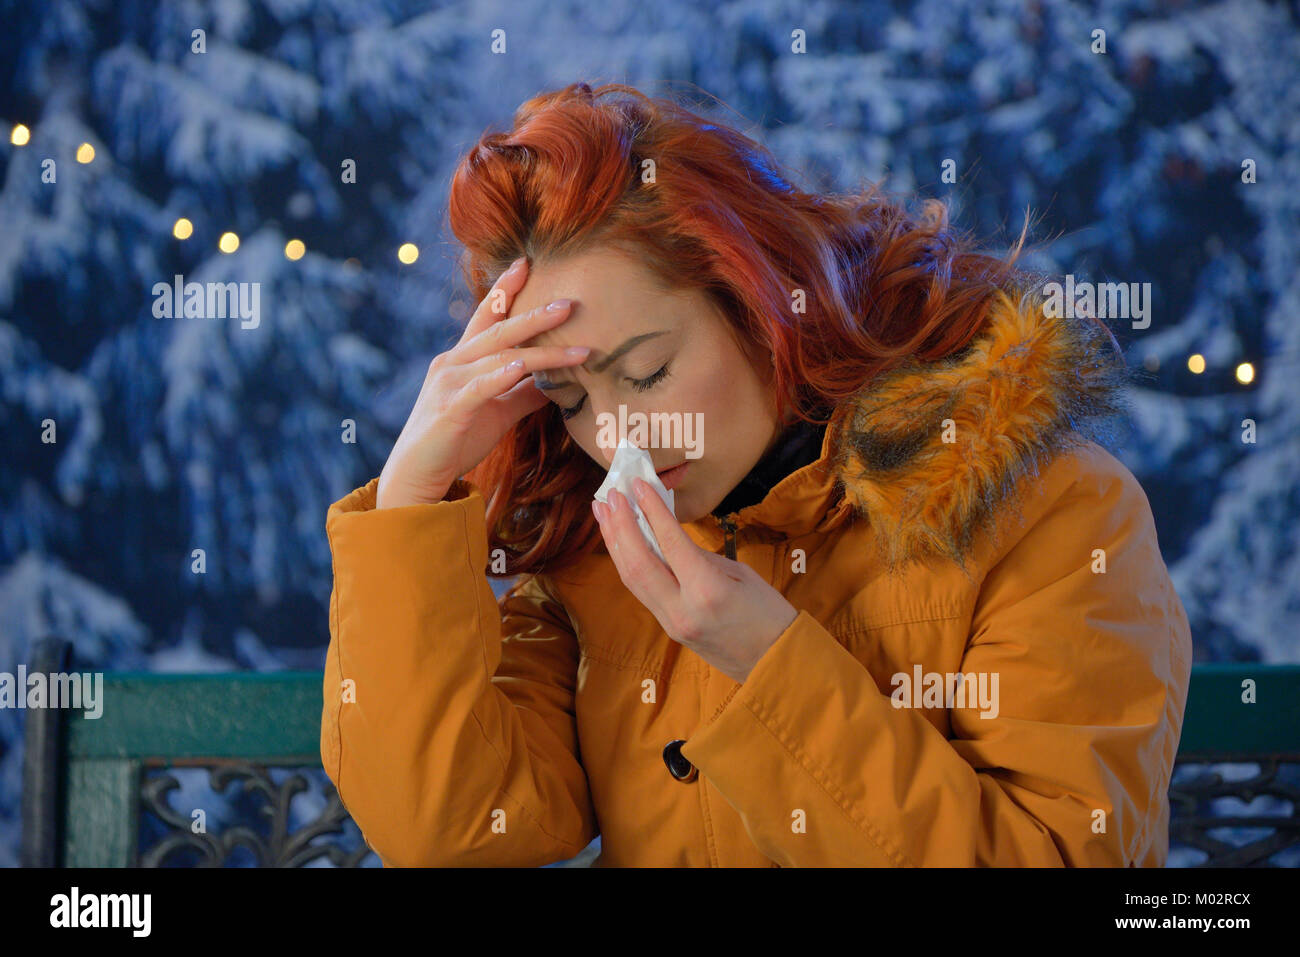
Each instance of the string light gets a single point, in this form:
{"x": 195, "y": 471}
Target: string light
{"x": 1196, "y": 363}
{"x": 1245, "y": 373}
{"x": 408, "y": 253}
{"x": 20, "y": 136}
{"x": 183, "y": 228}
{"x": 85, "y": 153}
{"x": 294, "y": 249}
{"x": 228, "y": 242}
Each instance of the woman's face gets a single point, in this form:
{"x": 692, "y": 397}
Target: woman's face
{"x": 653, "y": 351}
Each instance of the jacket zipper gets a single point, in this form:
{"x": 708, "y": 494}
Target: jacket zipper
{"x": 728, "y": 524}
{"x": 729, "y": 527}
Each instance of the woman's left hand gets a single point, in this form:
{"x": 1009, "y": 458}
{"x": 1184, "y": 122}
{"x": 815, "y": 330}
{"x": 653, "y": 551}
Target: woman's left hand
{"x": 720, "y": 609}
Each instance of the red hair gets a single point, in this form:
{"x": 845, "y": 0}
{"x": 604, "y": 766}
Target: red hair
{"x": 719, "y": 216}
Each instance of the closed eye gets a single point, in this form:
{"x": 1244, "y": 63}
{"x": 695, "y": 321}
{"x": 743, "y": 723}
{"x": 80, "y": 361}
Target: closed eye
{"x": 641, "y": 385}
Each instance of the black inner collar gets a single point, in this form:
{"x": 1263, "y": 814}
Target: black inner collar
{"x": 799, "y": 445}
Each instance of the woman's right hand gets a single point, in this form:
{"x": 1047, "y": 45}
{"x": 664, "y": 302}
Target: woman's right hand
{"x": 473, "y": 394}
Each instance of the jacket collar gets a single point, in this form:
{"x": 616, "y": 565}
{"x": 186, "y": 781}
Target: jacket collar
{"x": 927, "y": 452}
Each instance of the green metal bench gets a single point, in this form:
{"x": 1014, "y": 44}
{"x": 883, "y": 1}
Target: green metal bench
{"x": 95, "y": 791}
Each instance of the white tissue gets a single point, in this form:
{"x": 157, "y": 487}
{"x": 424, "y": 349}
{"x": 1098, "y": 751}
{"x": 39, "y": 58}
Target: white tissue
{"x": 629, "y": 463}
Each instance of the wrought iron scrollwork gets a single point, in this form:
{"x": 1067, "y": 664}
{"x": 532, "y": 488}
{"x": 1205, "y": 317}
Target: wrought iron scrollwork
{"x": 282, "y": 848}
{"x": 1191, "y": 796}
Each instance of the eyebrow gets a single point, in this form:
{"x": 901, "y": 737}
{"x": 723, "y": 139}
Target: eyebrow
{"x": 600, "y": 366}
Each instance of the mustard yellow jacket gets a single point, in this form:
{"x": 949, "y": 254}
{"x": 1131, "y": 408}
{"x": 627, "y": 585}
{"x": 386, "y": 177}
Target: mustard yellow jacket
{"x": 962, "y": 520}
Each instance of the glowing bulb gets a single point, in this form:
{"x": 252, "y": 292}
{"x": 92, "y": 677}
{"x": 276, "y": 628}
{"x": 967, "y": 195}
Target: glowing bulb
{"x": 294, "y": 249}
{"x": 183, "y": 228}
{"x": 1245, "y": 373}
{"x": 408, "y": 253}
{"x": 85, "y": 153}
{"x": 228, "y": 242}
{"x": 21, "y": 135}
{"x": 1196, "y": 363}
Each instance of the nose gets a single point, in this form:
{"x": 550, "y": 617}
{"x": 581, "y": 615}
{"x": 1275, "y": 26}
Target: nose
{"x": 610, "y": 426}
{"x": 616, "y": 421}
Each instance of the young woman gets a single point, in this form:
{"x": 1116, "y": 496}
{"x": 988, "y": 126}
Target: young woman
{"x": 909, "y": 612}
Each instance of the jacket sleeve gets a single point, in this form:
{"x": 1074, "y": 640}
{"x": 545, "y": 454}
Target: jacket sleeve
{"x": 448, "y": 725}
{"x": 1093, "y": 672}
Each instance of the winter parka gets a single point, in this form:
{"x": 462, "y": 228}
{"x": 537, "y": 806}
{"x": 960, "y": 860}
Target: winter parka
{"x": 989, "y": 665}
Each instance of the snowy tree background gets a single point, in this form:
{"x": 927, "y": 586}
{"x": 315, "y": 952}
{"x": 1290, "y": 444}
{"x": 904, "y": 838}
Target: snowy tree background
{"x": 174, "y": 434}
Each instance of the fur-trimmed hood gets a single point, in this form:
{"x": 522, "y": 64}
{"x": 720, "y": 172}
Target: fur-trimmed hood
{"x": 929, "y": 452}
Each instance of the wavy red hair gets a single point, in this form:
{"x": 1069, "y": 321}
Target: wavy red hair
{"x": 718, "y": 216}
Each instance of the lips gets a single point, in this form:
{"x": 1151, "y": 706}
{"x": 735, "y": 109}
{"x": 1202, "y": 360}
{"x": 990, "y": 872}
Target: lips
{"x": 672, "y": 476}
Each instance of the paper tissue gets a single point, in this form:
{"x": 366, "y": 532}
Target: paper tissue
{"x": 629, "y": 463}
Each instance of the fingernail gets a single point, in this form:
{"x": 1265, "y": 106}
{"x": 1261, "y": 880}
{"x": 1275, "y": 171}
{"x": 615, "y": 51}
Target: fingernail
{"x": 514, "y": 266}
{"x": 595, "y": 509}
{"x": 558, "y": 305}
{"x": 577, "y": 352}
{"x": 639, "y": 487}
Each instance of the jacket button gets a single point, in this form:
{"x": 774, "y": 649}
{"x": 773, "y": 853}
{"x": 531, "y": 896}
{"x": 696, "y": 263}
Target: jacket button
{"x": 678, "y": 766}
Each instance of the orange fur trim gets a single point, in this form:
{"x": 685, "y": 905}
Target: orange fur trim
{"x": 1027, "y": 388}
